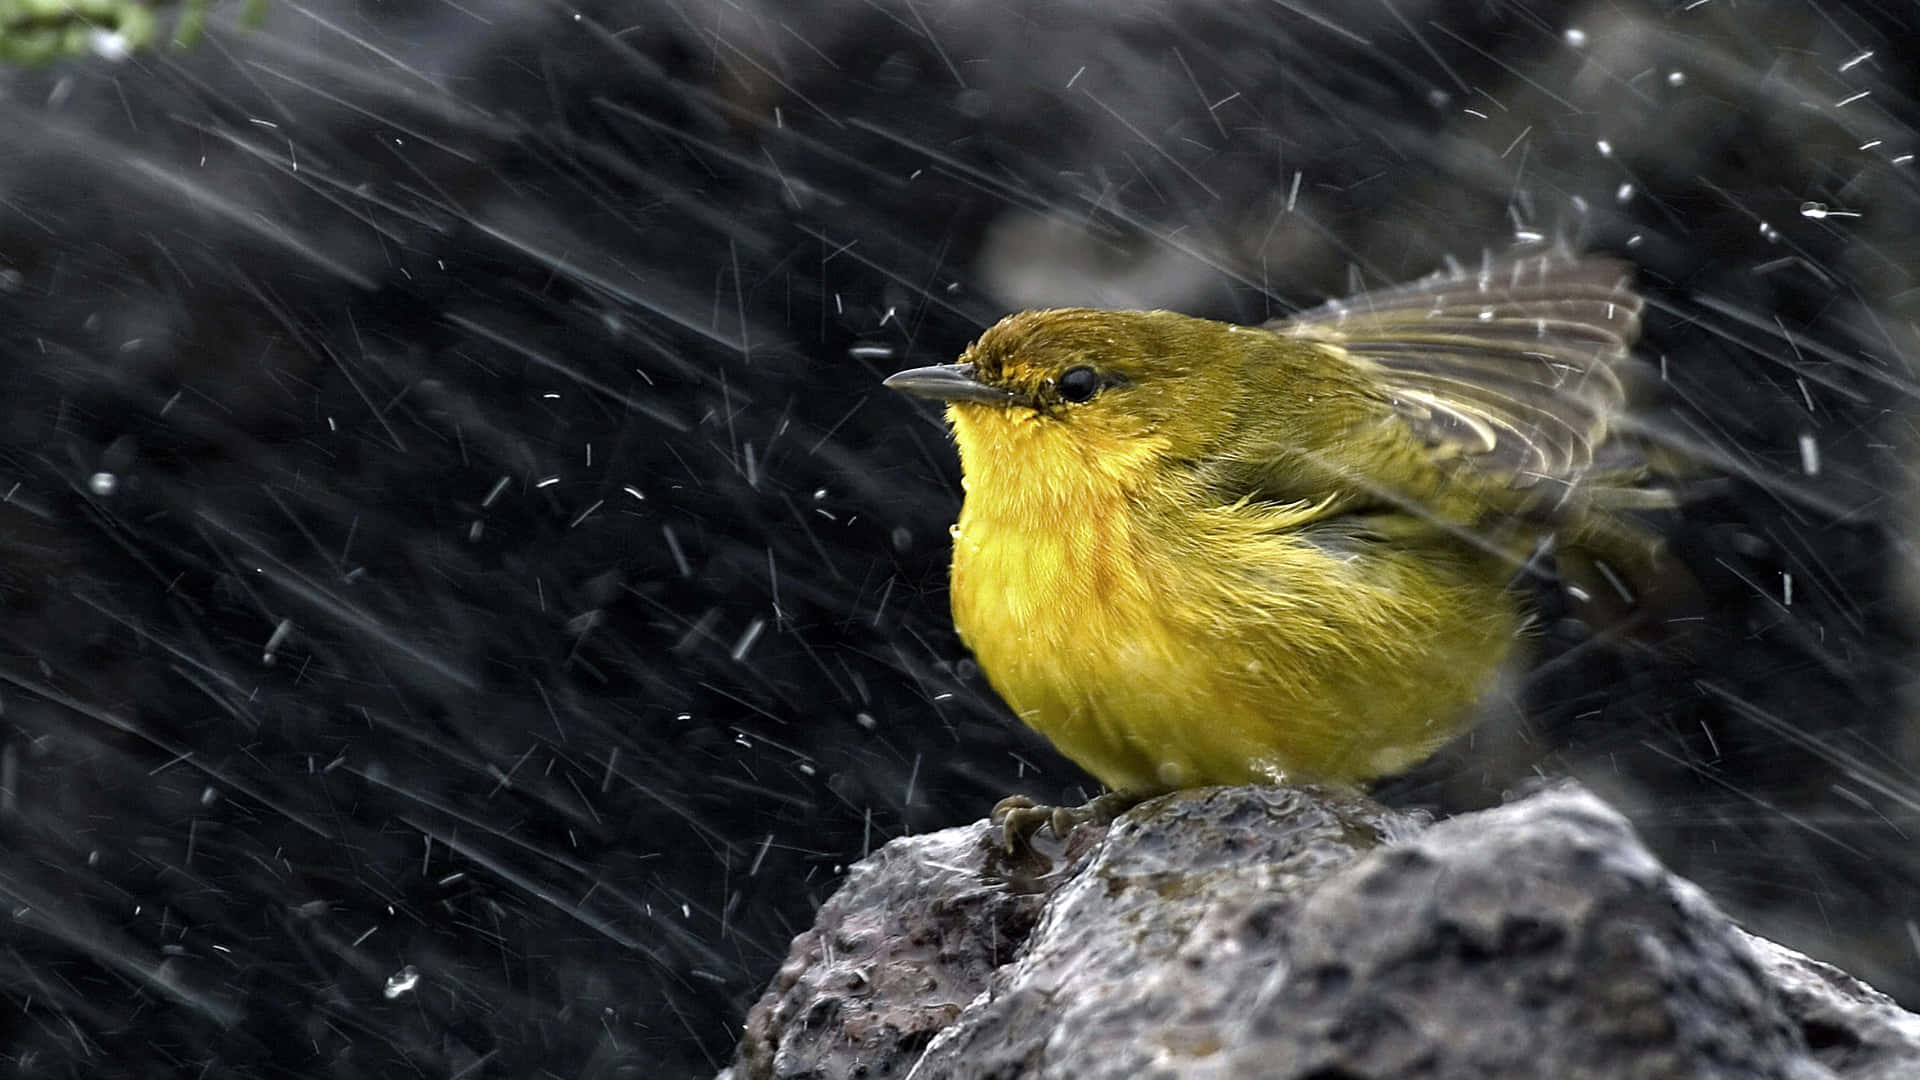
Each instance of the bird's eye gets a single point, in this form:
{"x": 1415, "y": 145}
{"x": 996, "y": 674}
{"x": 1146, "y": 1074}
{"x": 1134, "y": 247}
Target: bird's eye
{"x": 1078, "y": 383}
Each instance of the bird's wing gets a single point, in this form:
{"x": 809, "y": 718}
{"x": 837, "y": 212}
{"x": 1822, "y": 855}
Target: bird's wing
{"x": 1515, "y": 366}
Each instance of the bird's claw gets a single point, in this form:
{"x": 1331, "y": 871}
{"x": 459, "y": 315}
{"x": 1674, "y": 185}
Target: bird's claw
{"x": 1019, "y": 817}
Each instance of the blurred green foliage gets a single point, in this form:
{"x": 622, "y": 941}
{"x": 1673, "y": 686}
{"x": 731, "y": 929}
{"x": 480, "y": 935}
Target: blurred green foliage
{"x": 41, "y": 31}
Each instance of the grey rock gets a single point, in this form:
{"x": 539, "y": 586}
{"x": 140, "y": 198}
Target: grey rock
{"x": 1856, "y": 1031}
{"x": 1299, "y": 933}
{"x": 895, "y": 955}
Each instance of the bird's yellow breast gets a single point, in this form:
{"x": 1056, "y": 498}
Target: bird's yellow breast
{"x": 1160, "y": 641}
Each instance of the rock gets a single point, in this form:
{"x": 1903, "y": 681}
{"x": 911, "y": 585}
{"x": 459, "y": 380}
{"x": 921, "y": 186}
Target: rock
{"x": 1301, "y": 933}
{"x": 1856, "y": 1031}
{"x": 895, "y": 955}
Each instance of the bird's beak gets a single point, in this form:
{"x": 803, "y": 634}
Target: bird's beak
{"x": 947, "y": 382}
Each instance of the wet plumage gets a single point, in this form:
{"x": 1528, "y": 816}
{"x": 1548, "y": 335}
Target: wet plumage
{"x": 1193, "y": 553}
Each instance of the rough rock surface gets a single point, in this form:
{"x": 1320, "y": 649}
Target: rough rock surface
{"x": 895, "y": 955}
{"x": 1856, "y": 1031}
{"x": 1295, "y": 933}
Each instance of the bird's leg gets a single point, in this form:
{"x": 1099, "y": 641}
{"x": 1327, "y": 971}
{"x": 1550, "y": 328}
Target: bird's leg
{"x": 1020, "y": 817}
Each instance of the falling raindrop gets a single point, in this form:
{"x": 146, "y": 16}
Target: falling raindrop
{"x": 401, "y": 982}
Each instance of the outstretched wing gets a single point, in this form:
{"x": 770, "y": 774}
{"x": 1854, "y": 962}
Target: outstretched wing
{"x": 1515, "y": 366}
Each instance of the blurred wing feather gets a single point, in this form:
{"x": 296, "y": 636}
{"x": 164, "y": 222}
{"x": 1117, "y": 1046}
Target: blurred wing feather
{"x": 1515, "y": 367}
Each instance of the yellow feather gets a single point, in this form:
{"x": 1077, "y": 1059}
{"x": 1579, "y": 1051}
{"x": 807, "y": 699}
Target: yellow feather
{"x": 1193, "y": 553}
{"x": 1162, "y": 642}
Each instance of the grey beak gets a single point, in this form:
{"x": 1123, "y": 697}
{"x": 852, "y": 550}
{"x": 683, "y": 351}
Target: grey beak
{"x": 947, "y": 382}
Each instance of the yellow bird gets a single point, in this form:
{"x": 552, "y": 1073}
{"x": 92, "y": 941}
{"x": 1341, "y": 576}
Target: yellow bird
{"x": 1199, "y": 553}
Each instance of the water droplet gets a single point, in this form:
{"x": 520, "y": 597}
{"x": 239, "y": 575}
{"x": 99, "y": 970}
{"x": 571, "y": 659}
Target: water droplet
{"x": 1809, "y": 454}
{"x": 1676, "y": 78}
{"x": 1576, "y": 37}
{"x": 103, "y": 483}
{"x": 269, "y": 654}
{"x": 1815, "y": 210}
{"x": 1624, "y": 193}
{"x": 748, "y": 636}
{"x": 108, "y": 45}
{"x": 401, "y": 982}
{"x": 1605, "y": 148}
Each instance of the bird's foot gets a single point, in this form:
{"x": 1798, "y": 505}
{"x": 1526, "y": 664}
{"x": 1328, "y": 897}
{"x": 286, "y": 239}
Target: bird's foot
{"x": 1020, "y": 817}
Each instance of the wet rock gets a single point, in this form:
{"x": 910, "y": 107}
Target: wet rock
{"x": 898, "y": 952}
{"x": 1281, "y": 932}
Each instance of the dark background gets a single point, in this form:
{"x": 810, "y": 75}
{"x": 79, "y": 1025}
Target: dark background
{"x": 464, "y": 599}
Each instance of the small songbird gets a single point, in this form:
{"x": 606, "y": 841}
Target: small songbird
{"x": 1199, "y": 553}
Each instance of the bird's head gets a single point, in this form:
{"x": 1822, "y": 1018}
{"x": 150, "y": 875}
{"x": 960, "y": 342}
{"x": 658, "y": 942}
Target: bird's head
{"x": 1116, "y": 392}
